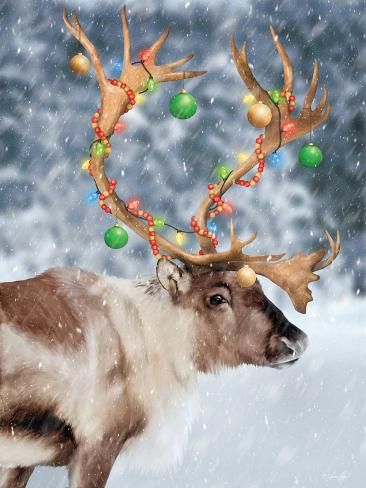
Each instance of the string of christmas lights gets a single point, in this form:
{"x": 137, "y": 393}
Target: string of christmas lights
{"x": 102, "y": 147}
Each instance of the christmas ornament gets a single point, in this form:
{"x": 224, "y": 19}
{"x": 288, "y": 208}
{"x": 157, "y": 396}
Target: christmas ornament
{"x": 183, "y": 105}
{"x": 116, "y": 237}
{"x": 275, "y": 96}
{"x": 310, "y": 156}
{"x": 249, "y": 99}
{"x": 259, "y": 115}
{"x": 159, "y": 223}
{"x": 246, "y": 276}
{"x": 275, "y": 159}
{"x": 79, "y": 64}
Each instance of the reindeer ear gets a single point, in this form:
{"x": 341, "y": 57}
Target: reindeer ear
{"x": 171, "y": 277}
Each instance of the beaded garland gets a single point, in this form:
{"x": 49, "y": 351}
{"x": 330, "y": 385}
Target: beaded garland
{"x": 220, "y": 204}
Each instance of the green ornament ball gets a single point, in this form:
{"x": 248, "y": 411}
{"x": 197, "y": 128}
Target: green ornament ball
{"x": 310, "y": 156}
{"x": 183, "y": 105}
{"x": 116, "y": 237}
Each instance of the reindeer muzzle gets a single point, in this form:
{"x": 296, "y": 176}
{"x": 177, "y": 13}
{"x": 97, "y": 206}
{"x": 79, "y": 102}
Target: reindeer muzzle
{"x": 292, "y": 344}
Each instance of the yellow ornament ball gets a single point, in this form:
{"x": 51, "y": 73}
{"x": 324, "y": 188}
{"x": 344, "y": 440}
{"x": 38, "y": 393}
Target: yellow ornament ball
{"x": 246, "y": 277}
{"x": 79, "y": 64}
{"x": 259, "y": 115}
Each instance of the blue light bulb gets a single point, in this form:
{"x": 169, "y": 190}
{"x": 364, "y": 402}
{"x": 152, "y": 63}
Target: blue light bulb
{"x": 212, "y": 227}
{"x": 275, "y": 159}
{"x": 92, "y": 196}
{"x": 117, "y": 67}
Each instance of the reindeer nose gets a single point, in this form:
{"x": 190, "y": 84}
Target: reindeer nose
{"x": 292, "y": 344}
{"x": 293, "y": 338}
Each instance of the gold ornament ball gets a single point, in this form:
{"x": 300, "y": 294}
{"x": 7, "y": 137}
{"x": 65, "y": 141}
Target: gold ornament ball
{"x": 79, "y": 64}
{"x": 246, "y": 277}
{"x": 259, "y": 115}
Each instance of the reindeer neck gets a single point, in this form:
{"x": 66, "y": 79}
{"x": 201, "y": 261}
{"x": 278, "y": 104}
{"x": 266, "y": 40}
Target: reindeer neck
{"x": 159, "y": 333}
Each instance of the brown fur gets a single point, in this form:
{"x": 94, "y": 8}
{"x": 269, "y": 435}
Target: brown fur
{"x": 233, "y": 334}
{"x": 56, "y": 308}
{"x": 46, "y": 307}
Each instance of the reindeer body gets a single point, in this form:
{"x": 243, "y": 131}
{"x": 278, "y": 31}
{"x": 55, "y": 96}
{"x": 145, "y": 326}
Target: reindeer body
{"x": 93, "y": 366}
{"x": 117, "y": 359}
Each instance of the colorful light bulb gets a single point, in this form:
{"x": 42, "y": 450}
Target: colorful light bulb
{"x": 134, "y": 204}
{"x": 92, "y": 196}
{"x": 151, "y": 85}
{"x": 180, "y": 238}
{"x": 212, "y": 227}
{"x": 249, "y": 99}
{"x": 85, "y": 165}
{"x": 222, "y": 171}
{"x": 275, "y": 159}
{"x": 242, "y": 156}
{"x": 159, "y": 223}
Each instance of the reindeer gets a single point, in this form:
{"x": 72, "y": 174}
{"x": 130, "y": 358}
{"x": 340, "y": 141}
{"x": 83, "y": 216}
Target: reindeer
{"x": 95, "y": 366}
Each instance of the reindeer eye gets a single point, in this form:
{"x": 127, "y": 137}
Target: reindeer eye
{"x": 217, "y": 300}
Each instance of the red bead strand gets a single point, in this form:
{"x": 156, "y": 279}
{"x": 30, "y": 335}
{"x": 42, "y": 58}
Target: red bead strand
{"x": 261, "y": 161}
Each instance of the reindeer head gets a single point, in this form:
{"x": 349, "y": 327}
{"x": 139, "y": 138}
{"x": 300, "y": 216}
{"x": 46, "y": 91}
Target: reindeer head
{"x": 234, "y": 325}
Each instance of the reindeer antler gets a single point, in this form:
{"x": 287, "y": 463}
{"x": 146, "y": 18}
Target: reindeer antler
{"x": 294, "y": 274}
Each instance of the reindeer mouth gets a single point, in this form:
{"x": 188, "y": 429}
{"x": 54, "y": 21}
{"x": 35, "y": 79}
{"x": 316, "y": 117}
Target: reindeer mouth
{"x": 290, "y": 352}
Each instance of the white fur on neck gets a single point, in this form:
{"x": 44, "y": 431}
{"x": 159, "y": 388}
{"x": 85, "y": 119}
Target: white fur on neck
{"x": 159, "y": 341}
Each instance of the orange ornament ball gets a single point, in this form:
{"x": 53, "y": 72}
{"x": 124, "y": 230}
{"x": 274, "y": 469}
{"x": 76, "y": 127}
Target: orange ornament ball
{"x": 79, "y": 64}
{"x": 259, "y": 115}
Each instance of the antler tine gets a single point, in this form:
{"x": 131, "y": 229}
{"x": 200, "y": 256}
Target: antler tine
{"x": 78, "y": 32}
{"x": 158, "y": 44}
{"x": 310, "y": 94}
{"x": 242, "y": 65}
{"x": 176, "y": 64}
{"x": 322, "y": 102}
{"x": 126, "y": 37}
{"x": 180, "y": 75}
{"x": 334, "y": 251}
{"x": 236, "y": 243}
{"x": 286, "y": 62}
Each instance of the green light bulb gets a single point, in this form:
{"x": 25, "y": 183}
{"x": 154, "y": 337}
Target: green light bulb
{"x": 150, "y": 85}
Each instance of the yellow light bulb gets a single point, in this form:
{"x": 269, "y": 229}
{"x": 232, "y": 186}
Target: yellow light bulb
{"x": 242, "y": 157}
{"x": 85, "y": 165}
{"x": 249, "y": 99}
{"x": 180, "y": 238}
{"x": 140, "y": 98}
